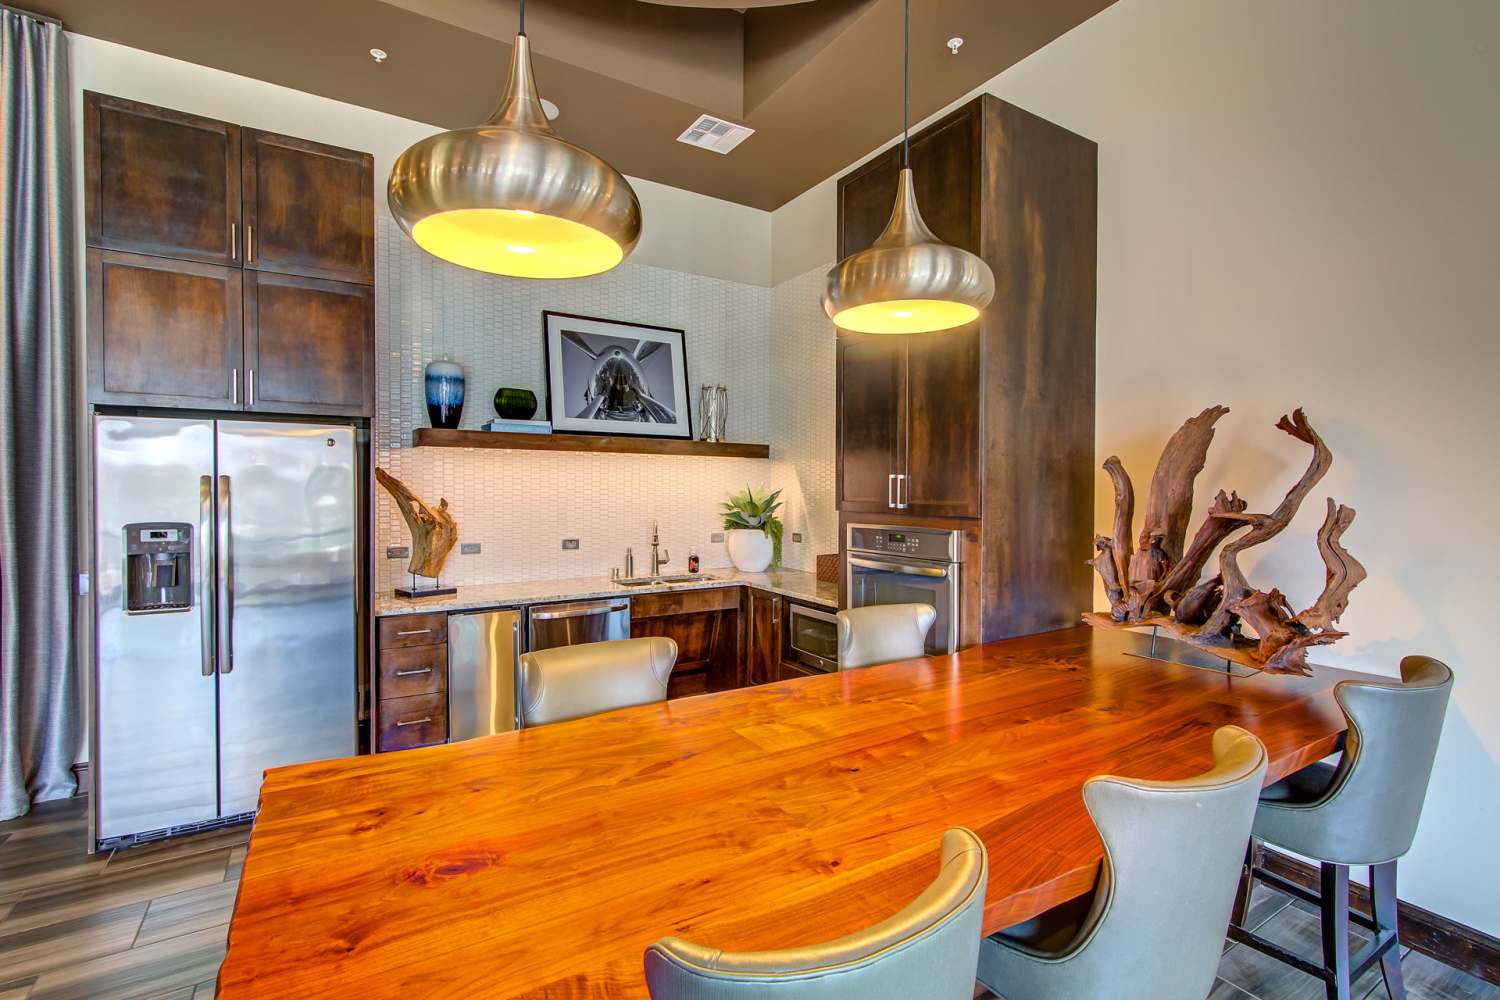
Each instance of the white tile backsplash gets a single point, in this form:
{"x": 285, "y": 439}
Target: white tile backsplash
{"x": 772, "y": 348}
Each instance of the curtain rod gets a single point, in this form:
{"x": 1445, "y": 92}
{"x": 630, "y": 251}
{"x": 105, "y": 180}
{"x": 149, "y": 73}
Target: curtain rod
{"x": 32, "y": 14}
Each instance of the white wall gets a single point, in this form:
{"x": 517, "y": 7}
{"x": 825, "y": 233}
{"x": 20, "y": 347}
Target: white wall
{"x": 684, "y": 231}
{"x": 1298, "y": 206}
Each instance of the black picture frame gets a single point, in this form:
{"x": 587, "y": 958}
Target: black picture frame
{"x": 557, "y": 370}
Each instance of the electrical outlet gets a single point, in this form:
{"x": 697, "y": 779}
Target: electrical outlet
{"x": 570, "y": 544}
{"x": 796, "y": 536}
{"x": 468, "y": 549}
{"x": 397, "y": 552}
{"x": 717, "y": 536}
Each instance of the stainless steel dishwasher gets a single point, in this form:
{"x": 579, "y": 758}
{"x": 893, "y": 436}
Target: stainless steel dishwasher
{"x": 577, "y": 622}
{"x": 484, "y": 649}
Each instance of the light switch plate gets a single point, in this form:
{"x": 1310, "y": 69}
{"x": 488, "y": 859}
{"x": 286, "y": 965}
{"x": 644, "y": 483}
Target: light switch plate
{"x": 717, "y": 536}
{"x": 570, "y": 544}
{"x": 468, "y": 548}
{"x": 796, "y": 536}
{"x": 397, "y": 552}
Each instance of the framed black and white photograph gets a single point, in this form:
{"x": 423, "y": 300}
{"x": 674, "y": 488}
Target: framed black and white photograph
{"x": 611, "y": 377}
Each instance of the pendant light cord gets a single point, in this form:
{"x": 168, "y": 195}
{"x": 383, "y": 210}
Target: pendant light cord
{"x": 905, "y": 86}
{"x": 523, "y": 18}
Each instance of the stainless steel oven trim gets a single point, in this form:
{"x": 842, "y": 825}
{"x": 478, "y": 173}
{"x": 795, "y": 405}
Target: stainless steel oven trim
{"x": 951, "y": 571}
{"x": 954, "y": 545}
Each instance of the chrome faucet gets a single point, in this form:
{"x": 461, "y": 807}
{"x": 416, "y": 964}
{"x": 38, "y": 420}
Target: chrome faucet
{"x": 659, "y": 556}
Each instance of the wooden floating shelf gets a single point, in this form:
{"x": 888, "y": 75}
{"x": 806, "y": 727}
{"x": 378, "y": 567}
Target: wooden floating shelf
{"x": 431, "y": 437}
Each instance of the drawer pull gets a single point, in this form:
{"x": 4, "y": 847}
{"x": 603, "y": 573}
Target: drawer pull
{"x": 415, "y": 631}
{"x": 413, "y": 673}
{"x": 414, "y": 722}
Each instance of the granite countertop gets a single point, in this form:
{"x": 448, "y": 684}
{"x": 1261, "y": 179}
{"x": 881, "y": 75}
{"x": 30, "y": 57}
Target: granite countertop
{"x": 800, "y": 586}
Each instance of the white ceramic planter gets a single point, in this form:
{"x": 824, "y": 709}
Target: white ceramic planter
{"x": 749, "y": 549}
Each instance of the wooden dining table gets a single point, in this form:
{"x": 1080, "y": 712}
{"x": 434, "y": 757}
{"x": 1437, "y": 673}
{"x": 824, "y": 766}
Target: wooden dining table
{"x": 541, "y": 863}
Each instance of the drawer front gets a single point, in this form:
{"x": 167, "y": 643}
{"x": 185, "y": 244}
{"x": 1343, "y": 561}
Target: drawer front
{"x": 684, "y": 602}
{"x": 414, "y": 630}
{"x": 413, "y": 722}
{"x": 411, "y": 670}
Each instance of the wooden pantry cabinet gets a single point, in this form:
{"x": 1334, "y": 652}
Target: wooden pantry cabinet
{"x": 228, "y": 268}
{"x": 987, "y": 428}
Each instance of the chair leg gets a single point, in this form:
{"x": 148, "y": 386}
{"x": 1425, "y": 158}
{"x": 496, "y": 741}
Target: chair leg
{"x": 1335, "y": 922}
{"x": 1383, "y": 909}
{"x": 1240, "y": 915}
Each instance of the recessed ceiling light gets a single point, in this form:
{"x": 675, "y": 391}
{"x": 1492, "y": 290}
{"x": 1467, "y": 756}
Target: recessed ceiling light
{"x": 954, "y": 43}
{"x": 379, "y": 55}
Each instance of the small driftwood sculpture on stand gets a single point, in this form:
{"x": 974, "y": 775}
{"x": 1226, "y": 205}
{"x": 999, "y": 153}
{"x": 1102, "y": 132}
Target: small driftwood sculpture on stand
{"x": 433, "y": 535}
{"x": 1156, "y": 581}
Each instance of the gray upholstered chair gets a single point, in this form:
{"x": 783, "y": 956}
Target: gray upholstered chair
{"x": 570, "y": 682}
{"x": 883, "y": 633}
{"x": 1362, "y": 811}
{"x": 1154, "y": 924}
{"x": 927, "y": 950}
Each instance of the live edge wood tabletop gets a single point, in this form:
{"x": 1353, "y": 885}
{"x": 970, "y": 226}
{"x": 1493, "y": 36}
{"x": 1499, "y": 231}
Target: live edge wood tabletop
{"x": 542, "y": 863}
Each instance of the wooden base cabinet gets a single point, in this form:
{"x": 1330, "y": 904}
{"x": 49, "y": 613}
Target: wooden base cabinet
{"x": 989, "y": 426}
{"x": 763, "y": 641}
{"x": 411, "y": 682}
{"x": 705, "y": 624}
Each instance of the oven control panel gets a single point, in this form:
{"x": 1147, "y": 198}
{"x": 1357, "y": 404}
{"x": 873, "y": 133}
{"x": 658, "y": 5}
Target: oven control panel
{"x": 935, "y": 544}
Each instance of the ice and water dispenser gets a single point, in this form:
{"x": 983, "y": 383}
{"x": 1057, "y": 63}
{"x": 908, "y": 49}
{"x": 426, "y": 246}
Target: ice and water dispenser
{"x": 158, "y": 567}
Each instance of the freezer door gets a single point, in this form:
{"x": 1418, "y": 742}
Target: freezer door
{"x": 483, "y": 649}
{"x": 287, "y": 619}
{"x": 153, "y": 669}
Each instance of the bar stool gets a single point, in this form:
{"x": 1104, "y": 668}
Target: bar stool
{"x": 1152, "y": 926}
{"x": 1363, "y": 811}
{"x": 569, "y": 682}
{"x": 929, "y": 950}
{"x": 883, "y": 633}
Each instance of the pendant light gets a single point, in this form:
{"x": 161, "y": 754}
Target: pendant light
{"x": 908, "y": 281}
{"x": 513, "y": 197}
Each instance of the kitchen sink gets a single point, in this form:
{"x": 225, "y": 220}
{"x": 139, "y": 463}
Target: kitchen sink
{"x": 646, "y": 581}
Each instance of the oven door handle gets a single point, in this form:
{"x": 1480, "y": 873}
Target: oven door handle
{"x": 913, "y": 569}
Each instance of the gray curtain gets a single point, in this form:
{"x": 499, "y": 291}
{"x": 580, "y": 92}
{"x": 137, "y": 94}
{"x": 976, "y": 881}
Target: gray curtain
{"x": 39, "y": 712}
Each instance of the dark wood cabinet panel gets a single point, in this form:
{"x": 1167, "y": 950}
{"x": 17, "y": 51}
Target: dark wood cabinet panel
{"x": 413, "y": 670}
{"x": 159, "y": 181}
{"x": 871, "y": 386}
{"x": 412, "y": 630}
{"x": 705, "y": 624}
{"x": 418, "y": 721}
{"x": 763, "y": 644}
{"x": 941, "y": 455}
{"x": 308, "y": 208}
{"x": 162, "y": 332}
{"x": 309, "y": 345}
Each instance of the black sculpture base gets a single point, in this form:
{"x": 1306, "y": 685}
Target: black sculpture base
{"x": 414, "y": 592}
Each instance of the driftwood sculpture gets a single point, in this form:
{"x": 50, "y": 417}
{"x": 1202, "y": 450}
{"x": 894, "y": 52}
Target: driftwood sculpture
{"x": 1156, "y": 581}
{"x": 433, "y": 532}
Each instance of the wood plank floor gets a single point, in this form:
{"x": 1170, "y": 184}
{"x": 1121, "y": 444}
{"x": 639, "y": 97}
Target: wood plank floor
{"x": 149, "y": 923}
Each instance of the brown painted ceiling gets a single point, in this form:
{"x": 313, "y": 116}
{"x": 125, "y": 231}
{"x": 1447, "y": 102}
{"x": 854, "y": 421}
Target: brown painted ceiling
{"x": 820, "y": 82}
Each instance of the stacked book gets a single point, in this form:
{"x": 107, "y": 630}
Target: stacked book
{"x": 520, "y": 426}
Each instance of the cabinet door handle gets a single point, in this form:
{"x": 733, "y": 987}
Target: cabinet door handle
{"x": 890, "y": 491}
{"x": 234, "y": 241}
{"x": 250, "y": 386}
{"x": 234, "y": 385}
{"x": 249, "y": 243}
{"x": 415, "y": 631}
{"x": 902, "y": 488}
{"x": 414, "y": 722}
{"x": 413, "y": 673}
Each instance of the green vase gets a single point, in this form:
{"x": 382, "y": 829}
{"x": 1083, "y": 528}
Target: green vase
{"x": 515, "y": 404}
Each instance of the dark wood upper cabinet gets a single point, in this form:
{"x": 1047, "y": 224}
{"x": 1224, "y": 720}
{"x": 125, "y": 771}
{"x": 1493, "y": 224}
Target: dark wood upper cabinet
{"x": 308, "y": 208}
{"x": 871, "y": 416}
{"x": 277, "y": 312}
{"x": 159, "y": 181}
{"x": 308, "y": 345}
{"x": 162, "y": 332}
{"x": 993, "y": 423}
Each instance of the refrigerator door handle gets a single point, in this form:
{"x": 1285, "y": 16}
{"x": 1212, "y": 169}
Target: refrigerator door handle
{"x": 205, "y": 571}
{"x": 226, "y": 582}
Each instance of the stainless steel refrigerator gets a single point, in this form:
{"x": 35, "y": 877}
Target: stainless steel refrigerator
{"x": 226, "y": 620}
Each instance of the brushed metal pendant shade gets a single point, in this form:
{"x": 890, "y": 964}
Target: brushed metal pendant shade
{"x": 513, "y": 197}
{"x": 908, "y": 280}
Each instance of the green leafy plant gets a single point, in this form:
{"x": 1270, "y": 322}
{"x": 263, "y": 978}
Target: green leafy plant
{"x": 756, "y": 512}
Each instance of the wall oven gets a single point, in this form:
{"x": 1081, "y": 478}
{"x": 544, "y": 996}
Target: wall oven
{"x": 811, "y": 639}
{"x": 890, "y": 564}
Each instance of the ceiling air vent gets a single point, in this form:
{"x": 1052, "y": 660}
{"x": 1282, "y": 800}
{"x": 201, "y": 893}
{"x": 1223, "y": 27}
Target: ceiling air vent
{"x": 715, "y": 134}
